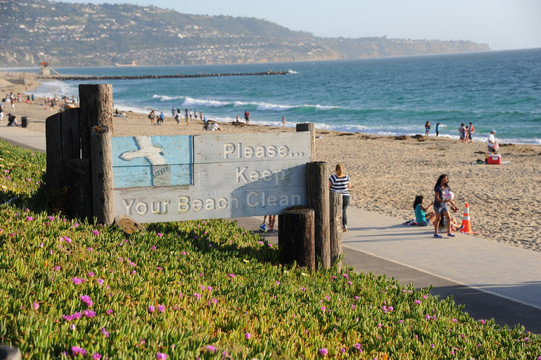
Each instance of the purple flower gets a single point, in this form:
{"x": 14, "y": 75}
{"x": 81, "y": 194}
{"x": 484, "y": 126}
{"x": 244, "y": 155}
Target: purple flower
{"x": 161, "y": 308}
{"x": 29, "y": 218}
{"x": 323, "y": 352}
{"x": 210, "y": 348}
{"x": 151, "y": 308}
{"x": 483, "y": 321}
{"x": 96, "y": 356}
{"x": 87, "y": 300}
{"x": 100, "y": 281}
{"x": 91, "y": 274}
{"x": 109, "y": 312}
{"x": 76, "y": 315}
{"x": 104, "y": 332}
{"x": 95, "y": 232}
{"x": 418, "y": 302}
{"x": 247, "y": 336}
{"x": 75, "y": 351}
{"x": 161, "y": 356}
{"x": 56, "y": 268}
{"x": 35, "y": 305}
{"x": 77, "y": 281}
{"x": 196, "y": 295}
{"x": 231, "y": 275}
{"x": 89, "y": 313}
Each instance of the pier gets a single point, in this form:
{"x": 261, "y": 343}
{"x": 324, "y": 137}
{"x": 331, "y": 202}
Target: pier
{"x": 156, "y": 76}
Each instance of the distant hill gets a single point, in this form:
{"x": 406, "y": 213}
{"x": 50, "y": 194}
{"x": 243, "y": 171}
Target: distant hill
{"x": 66, "y": 34}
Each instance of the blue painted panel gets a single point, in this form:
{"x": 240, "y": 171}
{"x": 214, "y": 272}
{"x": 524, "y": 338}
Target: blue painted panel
{"x": 143, "y": 161}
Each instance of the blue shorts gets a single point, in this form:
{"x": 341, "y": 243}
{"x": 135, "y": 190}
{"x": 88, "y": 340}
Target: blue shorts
{"x": 441, "y": 209}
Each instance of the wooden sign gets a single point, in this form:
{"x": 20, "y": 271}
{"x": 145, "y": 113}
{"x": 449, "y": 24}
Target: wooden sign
{"x": 172, "y": 178}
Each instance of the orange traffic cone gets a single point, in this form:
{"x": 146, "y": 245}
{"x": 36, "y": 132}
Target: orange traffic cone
{"x": 466, "y": 224}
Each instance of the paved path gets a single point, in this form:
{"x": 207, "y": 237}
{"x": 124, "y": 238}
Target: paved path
{"x": 490, "y": 279}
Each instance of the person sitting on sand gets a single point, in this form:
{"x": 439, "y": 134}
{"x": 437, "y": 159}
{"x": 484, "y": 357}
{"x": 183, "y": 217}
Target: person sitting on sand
{"x": 215, "y": 126}
{"x": 421, "y": 217}
{"x": 492, "y": 145}
{"x": 12, "y": 120}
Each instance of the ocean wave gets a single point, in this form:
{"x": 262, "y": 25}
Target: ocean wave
{"x": 56, "y": 88}
{"x": 165, "y": 98}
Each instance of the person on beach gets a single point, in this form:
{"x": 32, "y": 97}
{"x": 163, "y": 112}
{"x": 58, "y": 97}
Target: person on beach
{"x": 427, "y": 128}
{"x": 272, "y": 221}
{"x": 161, "y": 119}
{"x": 437, "y": 129}
{"x": 247, "y": 117}
{"x": 215, "y": 126}
{"x": 283, "y": 121}
{"x": 472, "y": 130}
{"x": 1, "y": 113}
{"x": 177, "y": 116}
{"x": 421, "y": 217}
{"x": 462, "y": 132}
{"x": 341, "y": 183}
{"x": 12, "y": 120}
{"x": 186, "y": 115}
{"x": 440, "y": 205}
{"x": 152, "y": 117}
{"x": 492, "y": 145}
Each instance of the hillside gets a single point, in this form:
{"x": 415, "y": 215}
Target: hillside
{"x": 102, "y": 35}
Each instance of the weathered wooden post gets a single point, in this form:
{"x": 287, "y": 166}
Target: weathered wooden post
{"x": 96, "y": 109}
{"x": 336, "y": 228}
{"x": 296, "y": 237}
{"x": 312, "y": 129}
{"x": 317, "y": 197}
{"x": 102, "y": 174}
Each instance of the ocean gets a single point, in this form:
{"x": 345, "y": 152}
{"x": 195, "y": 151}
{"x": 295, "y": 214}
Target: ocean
{"x": 498, "y": 90}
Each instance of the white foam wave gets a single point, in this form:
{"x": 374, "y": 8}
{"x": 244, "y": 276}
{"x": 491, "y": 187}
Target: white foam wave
{"x": 59, "y": 88}
{"x": 166, "y": 98}
{"x": 190, "y": 102}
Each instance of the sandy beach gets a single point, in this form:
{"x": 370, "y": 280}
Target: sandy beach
{"x": 387, "y": 172}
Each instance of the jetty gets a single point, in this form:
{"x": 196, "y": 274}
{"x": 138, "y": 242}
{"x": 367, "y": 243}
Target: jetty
{"x": 154, "y": 76}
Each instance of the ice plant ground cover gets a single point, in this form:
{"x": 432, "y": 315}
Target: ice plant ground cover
{"x": 207, "y": 290}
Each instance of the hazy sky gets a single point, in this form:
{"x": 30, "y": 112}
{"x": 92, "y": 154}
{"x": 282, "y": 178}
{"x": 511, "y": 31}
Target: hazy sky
{"x": 502, "y": 24}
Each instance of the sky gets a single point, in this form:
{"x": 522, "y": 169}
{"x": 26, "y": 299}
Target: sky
{"x": 502, "y": 24}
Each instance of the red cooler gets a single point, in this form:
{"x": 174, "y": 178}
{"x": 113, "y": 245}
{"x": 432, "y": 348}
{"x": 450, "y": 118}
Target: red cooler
{"x": 495, "y": 159}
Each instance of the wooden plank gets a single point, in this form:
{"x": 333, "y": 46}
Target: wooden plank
{"x": 78, "y": 178}
{"x": 173, "y": 204}
{"x": 335, "y": 200}
{"x": 53, "y": 145}
{"x": 71, "y": 140}
{"x": 102, "y": 175}
{"x": 296, "y": 238}
{"x": 224, "y": 176}
{"x": 96, "y": 109}
{"x": 258, "y": 146}
{"x": 317, "y": 192}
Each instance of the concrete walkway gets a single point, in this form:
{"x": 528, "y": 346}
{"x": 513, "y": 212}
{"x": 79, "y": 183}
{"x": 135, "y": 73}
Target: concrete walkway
{"x": 491, "y": 280}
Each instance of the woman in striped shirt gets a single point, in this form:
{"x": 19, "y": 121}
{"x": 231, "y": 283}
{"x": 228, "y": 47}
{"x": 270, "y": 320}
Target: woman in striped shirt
{"x": 340, "y": 183}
